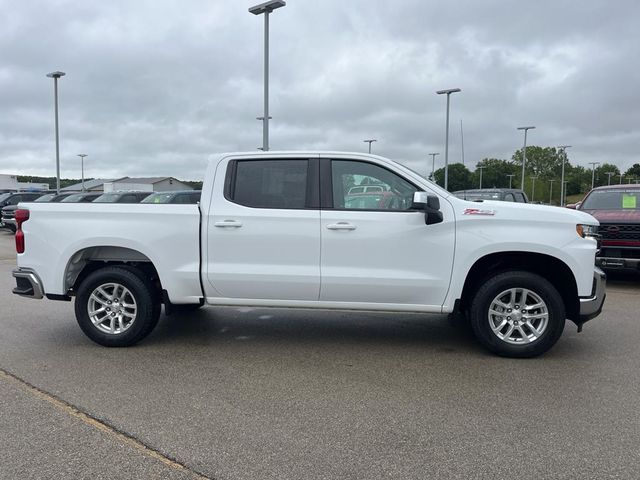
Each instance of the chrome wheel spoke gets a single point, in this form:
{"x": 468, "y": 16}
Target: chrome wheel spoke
{"x": 96, "y": 312}
{"x": 533, "y": 329}
{"x": 525, "y": 337}
{"x": 501, "y": 326}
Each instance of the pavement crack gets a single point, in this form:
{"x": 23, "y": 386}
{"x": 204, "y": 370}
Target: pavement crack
{"x": 98, "y": 424}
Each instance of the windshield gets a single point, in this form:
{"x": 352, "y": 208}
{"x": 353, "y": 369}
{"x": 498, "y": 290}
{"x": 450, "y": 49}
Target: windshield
{"x": 107, "y": 198}
{"x": 478, "y": 195}
{"x": 158, "y": 198}
{"x": 612, "y": 200}
{"x": 4, "y": 195}
{"x": 73, "y": 198}
{"x": 45, "y": 198}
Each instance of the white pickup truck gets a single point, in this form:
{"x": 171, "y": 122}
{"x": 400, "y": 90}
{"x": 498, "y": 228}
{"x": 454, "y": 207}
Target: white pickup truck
{"x": 287, "y": 229}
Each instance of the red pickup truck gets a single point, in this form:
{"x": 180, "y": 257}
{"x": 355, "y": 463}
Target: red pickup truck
{"x": 617, "y": 208}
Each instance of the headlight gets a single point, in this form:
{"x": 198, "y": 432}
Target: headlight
{"x": 587, "y": 231}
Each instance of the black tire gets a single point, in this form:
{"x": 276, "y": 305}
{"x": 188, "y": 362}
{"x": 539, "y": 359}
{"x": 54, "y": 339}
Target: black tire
{"x": 534, "y": 345}
{"x": 141, "y": 290}
{"x": 11, "y": 227}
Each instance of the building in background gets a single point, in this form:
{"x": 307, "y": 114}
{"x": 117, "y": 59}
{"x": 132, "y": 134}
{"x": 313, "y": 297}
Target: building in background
{"x": 149, "y": 184}
{"x": 95, "y": 185}
{"x": 10, "y": 182}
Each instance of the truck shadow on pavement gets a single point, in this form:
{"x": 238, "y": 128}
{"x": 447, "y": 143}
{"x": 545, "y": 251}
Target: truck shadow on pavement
{"x": 290, "y": 326}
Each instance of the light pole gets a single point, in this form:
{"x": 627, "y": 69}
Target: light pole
{"x": 564, "y": 190}
{"x": 82, "y": 155}
{"x": 620, "y": 178}
{"x": 448, "y": 92}
{"x": 524, "y": 152}
{"x": 533, "y": 187}
{"x": 593, "y": 172}
{"x": 56, "y": 76}
{"x": 563, "y": 193}
{"x": 370, "y": 142}
{"x": 609, "y": 175}
{"x": 433, "y": 166}
{"x": 266, "y": 8}
{"x": 550, "y": 190}
{"x": 510, "y": 175}
{"x": 481, "y": 168}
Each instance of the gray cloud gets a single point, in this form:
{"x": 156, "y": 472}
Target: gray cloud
{"x": 155, "y": 87}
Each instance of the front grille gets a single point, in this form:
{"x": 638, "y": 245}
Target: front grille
{"x": 619, "y": 232}
{"x": 607, "y": 252}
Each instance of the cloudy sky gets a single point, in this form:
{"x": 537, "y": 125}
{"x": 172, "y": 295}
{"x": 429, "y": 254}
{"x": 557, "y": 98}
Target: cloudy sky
{"x": 155, "y": 87}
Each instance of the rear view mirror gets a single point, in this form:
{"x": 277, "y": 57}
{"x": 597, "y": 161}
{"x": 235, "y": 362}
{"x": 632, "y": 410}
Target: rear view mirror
{"x": 431, "y": 206}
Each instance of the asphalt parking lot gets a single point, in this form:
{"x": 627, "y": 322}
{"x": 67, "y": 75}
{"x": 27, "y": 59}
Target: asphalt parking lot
{"x": 236, "y": 393}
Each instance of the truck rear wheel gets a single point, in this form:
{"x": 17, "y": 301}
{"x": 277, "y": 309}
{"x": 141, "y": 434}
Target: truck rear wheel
{"x": 117, "y": 306}
{"x": 517, "y": 314}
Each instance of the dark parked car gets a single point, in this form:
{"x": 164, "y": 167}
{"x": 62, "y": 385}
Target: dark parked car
{"x": 500, "y": 194}
{"x": 617, "y": 208}
{"x": 8, "y": 204}
{"x": 178, "y": 196}
{"x": 121, "y": 197}
{"x": 84, "y": 197}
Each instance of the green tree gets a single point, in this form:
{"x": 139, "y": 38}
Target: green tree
{"x": 601, "y": 174}
{"x": 495, "y": 173}
{"x": 543, "y": 162}
{"x": 459, "y": 177}
{"x": 633, "y": 173}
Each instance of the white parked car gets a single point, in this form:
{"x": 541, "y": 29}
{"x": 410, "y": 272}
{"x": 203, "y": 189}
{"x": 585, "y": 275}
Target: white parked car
{"x": 272, "y": 230}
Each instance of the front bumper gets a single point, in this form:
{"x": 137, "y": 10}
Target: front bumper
{"x": 28, "y": 284}
{"x": 591, "y": 306}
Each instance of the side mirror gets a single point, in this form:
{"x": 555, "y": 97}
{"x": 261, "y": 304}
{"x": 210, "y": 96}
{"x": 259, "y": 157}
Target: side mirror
{"x": 431, "y": 206}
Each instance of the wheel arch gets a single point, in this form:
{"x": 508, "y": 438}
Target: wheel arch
{"x": 89, "y": 259}
{"x": 551, "y": 268}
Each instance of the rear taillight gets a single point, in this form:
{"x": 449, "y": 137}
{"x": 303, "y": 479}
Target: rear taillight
{"x": 22, "y": 215}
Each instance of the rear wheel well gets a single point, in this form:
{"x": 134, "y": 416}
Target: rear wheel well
{"x": 89, "y": 260}
{"x": 552, "y": 269}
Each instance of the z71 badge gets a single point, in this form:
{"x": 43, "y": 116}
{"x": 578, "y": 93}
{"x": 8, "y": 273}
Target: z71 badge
{"x": 477, "y": 211}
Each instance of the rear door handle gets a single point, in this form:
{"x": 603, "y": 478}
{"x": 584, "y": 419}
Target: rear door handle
{"x": 341, "y": 226}
{"x": 228, "y": 223}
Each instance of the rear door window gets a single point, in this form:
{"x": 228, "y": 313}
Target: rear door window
{"x": 269, "y": 183}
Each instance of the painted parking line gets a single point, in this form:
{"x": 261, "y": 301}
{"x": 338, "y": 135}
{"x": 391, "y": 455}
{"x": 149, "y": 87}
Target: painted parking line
{"x": 93, "y": 422}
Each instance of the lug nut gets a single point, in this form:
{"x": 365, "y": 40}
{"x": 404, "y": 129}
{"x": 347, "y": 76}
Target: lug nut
{"x": 508, "y": 318}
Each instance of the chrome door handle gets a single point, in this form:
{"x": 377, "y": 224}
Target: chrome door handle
{"x": 341, "y": 226}
{"x": 228, "y": 223}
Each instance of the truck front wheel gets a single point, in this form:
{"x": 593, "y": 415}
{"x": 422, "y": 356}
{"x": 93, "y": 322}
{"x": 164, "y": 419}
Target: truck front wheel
{"x": 517, "y": 314}
{"x": 117, "y": 306}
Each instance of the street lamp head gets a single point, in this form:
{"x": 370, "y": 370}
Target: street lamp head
{"x": 371, "y": 140}
{"x": 82, "y": 155}
{"x": 448, "y": 91}
{"x": 563, "y": 147}
{"x": 267, "y": 7}
{"x": 526, "y": 128}
{"x": 56, "y": 74}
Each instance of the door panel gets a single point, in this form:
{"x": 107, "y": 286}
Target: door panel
{"x": 387, "y": 254}
{"x": 270, "y": 249}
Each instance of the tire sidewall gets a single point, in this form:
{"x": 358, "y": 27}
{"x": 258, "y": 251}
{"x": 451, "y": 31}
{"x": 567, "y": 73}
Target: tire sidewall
{"x": 140, "y": 290}
{"x": 517, "y": 279}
